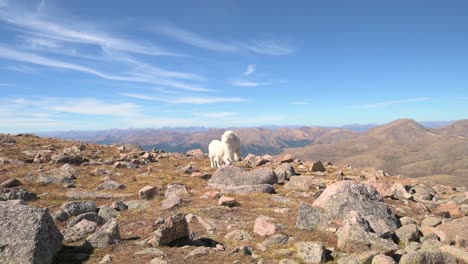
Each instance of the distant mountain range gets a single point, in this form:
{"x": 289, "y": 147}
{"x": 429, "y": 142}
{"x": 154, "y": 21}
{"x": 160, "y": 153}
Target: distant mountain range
{"x": 401, "y": 147}
{"x": 438, "y": 150}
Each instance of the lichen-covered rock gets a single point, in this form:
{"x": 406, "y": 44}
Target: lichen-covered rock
{"x": 75, "y": 208}
{"x": 79, "y": 231}
{"x": 27, "y": 234}
{"x": 343, "y": 197}
{"x": 170, "y": 230}
{"x": 311, "y": 252}
{"x": 357, "y": 236}
{"x": 428, "y": 257}
{"x": 108, "y": 234}
{"x": 234, "y": 176}
{"x": 408, "y": 233}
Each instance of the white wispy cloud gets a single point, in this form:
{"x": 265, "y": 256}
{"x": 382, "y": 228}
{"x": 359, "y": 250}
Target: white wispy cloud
{"x": 249, "y": 83}
{"x": 263, "y": 47}
{"x": 214, "y": 114}
{"x": 393, "y": 102}
{"x": 300, "y": 103}
{"x": 270, "y": 47}
{"x": 250, "y": 69}
{"x": 195, "y": 39}
{"x": 186, "y": 100}
{"x": 11, "y": 54}
{"x": 82, "y": 106}
{"x": 36, "y": 25}
{"x": 5, "y": 84}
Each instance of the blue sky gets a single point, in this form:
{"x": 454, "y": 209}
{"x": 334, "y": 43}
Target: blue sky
{"x": 118, "y": 64}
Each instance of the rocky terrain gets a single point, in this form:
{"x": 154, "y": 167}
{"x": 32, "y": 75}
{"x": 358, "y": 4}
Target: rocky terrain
{"x": 75, "y": 202}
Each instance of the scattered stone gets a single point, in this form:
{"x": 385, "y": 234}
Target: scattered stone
{"x": 452, "y": 208}
{"x": 358, "y": 258}
{"x": 200, "y": 175}
{"x": 79, "y": 231}
{"x": 199, "y": 251}
{"x": 148, "y": 192}
{"x": 188, "y": 169}
{"x": 107, "y": 235}
{"x": 304, "y": 183}
{"x": 400, "y": 192}
{"x": 124, "y": 164}
{"x": 110, "y": 185}
{"x": 10, "y": 183}
{"x": 421, "y": 193}
{"x": 227, "y": 201}
{"x": 170, "y": 230}
{"x": 382, "y": 259}
{"x": 213, "y": 194}
{"x": 408, "y": 233}
{"x": 152, "y": 252}
{"x": 310, "y": 218}
{"x": 458, "y": 253}
{"x": 431, "y": 221}
{"x": 178, "y": 189}
{"x": 284, "y": 172}
{"x": 106, "y": 259}
{"x": 407, "y": 221}
{"x": 158, "y": 261}
{"x": 119, "y": 206}
{"x": 17, "y": 194}
{"x": 65, "y": 158}
{"x": 234, "y": 176}
{"x": 249, "y": 189}
{"x": 263, "y": 227}
{"x": 287, "y": 158}
{"x": 318, "y": 166}
{"x": 198, "y": 153}
{"x": 84, "y": 194}
{"x": 28, "y": 235}
{"x": 75, "y": 208}
{"x": 238, "y": 235}
{"x": 451, "y": 229}
{"x": 246, "y": 250}
{"x": 311, "y": 252}
{"x": 277, "y": 239}
{"x": 427, "y": 257}
{"x": 171, "y": 202}
{"x": 91, "y": 216}
{"x": 107, "y": 213}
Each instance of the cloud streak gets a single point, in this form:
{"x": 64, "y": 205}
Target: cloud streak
{"x": 390, "y": 103}
{"x": 250, "y": 69}
{"x": 32, "y": 58}
{"x": 248, "y": 83}
{"x": 186, "y": 100}
{"x": 262, "y": 47}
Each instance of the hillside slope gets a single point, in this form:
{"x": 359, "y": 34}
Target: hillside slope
{"x": 400, "y": 147}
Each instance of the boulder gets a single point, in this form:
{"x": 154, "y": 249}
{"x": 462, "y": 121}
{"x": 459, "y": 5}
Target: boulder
{"x": 304, "y": 183}
{"x": 231, "y": 175}
{"x": 178, "y": 189}
{"x": 382, "y": 259}
{"x": 238, "y": 235}
{"x": 286, "y": 158}
{"x": 28, "y": 235}
{"x": 249, "y": 189}
{"x": 10, "y": 183}
{"x": 91, "y": 216}
{"x": 227, "y": 201}
{"x": 431, "y": 221}
{"x": 408, "y": 233}
{"x": 357, "y": 236}
{"x": 171, "y": 202}
{"x": 449, "y": 230}
{"x": 110, "y": 185}
{"x": 458, "y": 253}
{"x": 148, "y": 192}
{"x": 170, "y": 230}
{"x": 427, "y": 257}
{"x": 284, "y": 172}
{"x": 311, "y": 252}
{"x": 317, "y": 166}
{"x": 79, "y": 231}
{"x": 263, "y": 227}
{"x": 107, "y": 213}
{"x": 108, "y": 234}
{"x": 119, "y": 206}
{"x": 343, "y": 197}
{"x": 75, "y": 208}
{"x": 17, "y": 194}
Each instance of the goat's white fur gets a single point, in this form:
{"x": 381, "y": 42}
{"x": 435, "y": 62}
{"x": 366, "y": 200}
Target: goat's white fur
{"x": 225, "y": 151}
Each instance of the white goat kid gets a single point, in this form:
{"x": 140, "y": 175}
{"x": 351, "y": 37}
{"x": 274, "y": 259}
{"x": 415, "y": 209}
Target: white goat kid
{"x": 217, "y": 153}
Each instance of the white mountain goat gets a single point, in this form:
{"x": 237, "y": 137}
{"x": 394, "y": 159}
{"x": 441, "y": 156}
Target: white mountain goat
{"x": 232, "y": 142}
{"x": 225, "y": 151}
